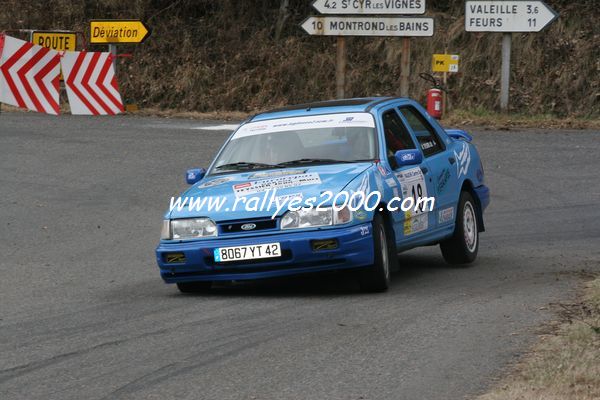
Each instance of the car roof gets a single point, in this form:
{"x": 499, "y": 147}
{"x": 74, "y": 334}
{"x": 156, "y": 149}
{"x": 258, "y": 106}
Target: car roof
{"x": 360, "y": 104}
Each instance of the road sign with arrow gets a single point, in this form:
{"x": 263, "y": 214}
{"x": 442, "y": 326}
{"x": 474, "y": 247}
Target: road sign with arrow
{"x": 368, "y": 26}
{"x": 508, "y": 16}
{"x": 118, "y": 31}
{"x": 370, "y": 6}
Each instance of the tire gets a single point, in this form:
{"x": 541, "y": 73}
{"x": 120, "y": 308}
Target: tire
{"x": 463, "y": 246}
{"x": 194, "y": 287}
{"x": 376, "y": 278}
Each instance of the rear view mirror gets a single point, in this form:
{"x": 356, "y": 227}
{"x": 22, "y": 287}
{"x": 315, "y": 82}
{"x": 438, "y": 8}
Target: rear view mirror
{"x": 194, "y": 175}
{"x": 408, "y": 157}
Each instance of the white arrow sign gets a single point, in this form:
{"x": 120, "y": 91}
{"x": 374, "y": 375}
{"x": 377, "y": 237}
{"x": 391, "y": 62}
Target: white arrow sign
{"x": 369, "y": 6}
{"x": 507, "y": 16}
{"x": 368, "y": 26}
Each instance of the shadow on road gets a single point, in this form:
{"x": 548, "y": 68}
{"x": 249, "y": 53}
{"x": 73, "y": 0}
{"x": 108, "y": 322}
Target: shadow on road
{"x": 339, "y": 283}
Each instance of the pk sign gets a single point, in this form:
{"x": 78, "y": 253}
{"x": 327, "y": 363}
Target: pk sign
{"x": 369, "y": 6}
{"x": 444, "y": 63}
{"x": 55, "y": 40}
{"x": 118, "y": 31}
{"x": 368, "y": 26}
{"x": 507, "y": 16}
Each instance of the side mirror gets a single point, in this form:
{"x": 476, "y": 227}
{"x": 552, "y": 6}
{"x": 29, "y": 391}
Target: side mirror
{"x": 408, "y": 157}
{"x": 194, "y": 175}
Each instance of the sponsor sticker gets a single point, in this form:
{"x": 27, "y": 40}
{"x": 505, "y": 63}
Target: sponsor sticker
{"x": 408, "y": 157}
{"x": 414, "y": 223}
{"x": 443, "y": 180}
{"x": 286, "y": 198}
{"x": 281, "y": 182}
{"x": 360, "y": 215}
{"x": 272, "y": 174}
{"x": 446, "y": 215}
{"x": 214, "y": 182}
{"x": 309, "y": 122}
{"x": 463, "y": 158}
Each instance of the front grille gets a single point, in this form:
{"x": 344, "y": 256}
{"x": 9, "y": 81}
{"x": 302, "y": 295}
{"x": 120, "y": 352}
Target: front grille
{"x": 247, "y": 226}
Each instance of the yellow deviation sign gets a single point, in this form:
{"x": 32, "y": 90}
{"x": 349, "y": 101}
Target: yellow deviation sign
{"x": 445, "y": 63}
{"x": 118, "y": 31}
{"x": 55, "y": 40}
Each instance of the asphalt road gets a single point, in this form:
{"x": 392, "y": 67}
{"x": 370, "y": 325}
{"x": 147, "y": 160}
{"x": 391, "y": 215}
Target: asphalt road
{"x": 84, "y": 314}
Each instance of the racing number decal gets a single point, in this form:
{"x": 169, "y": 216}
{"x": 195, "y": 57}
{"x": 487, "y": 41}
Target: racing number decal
{"x": 417, "y": 194}
{"x": 413, "y": 185}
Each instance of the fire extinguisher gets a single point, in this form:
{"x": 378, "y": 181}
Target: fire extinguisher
{"x": 435, "y": 96}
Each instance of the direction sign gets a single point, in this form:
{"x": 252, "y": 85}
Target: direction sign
{"x": 507, "y": 16}
{"x": 55, "y": 40}
{"x": 118, "y": 31}
{"x": 444, "y": 63}
{"x": 369, "y": 6}
{"x": 368, "y": 26}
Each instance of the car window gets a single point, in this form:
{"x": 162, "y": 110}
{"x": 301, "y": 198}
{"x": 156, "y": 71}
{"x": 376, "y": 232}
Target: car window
{"x": 428, "y": 140}
{"x": 396, "y": 135}
{"x": 343, "y": 137}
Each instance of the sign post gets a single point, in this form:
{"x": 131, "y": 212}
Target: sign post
{"x": 340, "y": 68}
{"x": 507, "y": 17}
{"x": 405, "y": 67}
{"x": 505, "y": 70}
{"x": 341, "y": 26}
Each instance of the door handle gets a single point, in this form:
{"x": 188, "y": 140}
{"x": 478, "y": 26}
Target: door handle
{"x": 452, "y": 160}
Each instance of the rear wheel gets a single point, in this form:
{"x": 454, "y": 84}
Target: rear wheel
{"x": 463, "y": 246}
{"x": 377, "y": 277}
{"x": 194, "y": 287}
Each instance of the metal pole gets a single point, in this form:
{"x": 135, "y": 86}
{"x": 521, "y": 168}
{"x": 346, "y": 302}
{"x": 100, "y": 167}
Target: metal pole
{"x": 112, "y": 48}
{"x": 340, "y": 68}
{"x": 445, "y": 94}
{"x": 405, "y": 67}
{"x": 505, "y": 74}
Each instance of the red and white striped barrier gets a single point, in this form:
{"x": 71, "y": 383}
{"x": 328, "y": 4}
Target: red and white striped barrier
{"x": 91, "y": 83}
{"x": 29, "y": 76}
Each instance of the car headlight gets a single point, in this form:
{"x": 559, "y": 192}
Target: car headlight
{"x": 189, "y": 228}
{"x": 315, "y": 217}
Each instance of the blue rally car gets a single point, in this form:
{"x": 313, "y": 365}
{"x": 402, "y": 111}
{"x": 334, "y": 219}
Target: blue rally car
{"x": 269, "y": 205}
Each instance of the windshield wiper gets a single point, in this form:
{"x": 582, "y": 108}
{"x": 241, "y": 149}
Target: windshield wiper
{"x": 245, "y": 165}
{"x": 312, "y": 161}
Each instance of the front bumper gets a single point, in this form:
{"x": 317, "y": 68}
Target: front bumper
{"x": 355, "y": 249}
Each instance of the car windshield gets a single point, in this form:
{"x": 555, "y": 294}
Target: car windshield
{"x": 318, "y": 139}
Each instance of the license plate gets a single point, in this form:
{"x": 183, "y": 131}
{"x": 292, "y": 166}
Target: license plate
{"x": 252, "y": 252}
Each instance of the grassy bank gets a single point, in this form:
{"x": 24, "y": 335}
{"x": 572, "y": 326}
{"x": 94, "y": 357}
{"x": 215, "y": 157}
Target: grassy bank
{"x": 565, "y": 364}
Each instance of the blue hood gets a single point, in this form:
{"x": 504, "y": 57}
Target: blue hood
{"x": 287, "y": 182}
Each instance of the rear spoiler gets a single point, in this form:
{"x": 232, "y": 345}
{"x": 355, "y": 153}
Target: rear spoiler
{"x": 459, "y": 134}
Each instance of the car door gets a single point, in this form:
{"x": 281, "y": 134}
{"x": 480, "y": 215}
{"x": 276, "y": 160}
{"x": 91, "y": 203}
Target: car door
{"x": 412, "y": 180}
{"x": 440, "y": 163}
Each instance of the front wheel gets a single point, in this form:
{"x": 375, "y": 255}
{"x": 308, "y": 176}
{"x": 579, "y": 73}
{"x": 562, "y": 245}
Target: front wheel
{"x": 463, "y": 246}
{"x": 376, "y": 278}
{"x": 194, "y": 287}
